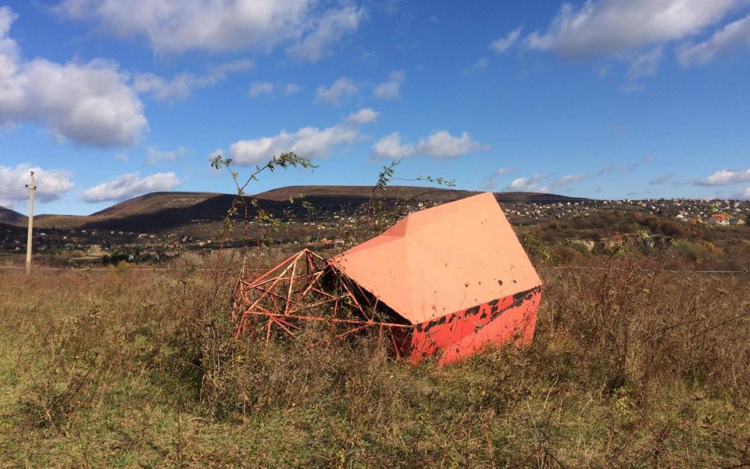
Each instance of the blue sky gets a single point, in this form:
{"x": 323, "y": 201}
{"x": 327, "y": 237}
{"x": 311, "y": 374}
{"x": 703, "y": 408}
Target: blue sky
{"x": 109, "y": 99}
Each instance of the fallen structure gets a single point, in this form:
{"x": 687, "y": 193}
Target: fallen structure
{"x": 445, "y": 281}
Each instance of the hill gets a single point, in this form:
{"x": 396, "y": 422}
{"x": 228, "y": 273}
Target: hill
{"x": 358, "y": 193}
{"x": 11, "y": 217}
{"x": 166, "y": 210}
{"x": 155, "y": 202}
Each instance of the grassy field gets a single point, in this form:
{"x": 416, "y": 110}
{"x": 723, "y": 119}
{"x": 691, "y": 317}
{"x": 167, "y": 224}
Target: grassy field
{"x": 131, "y": 368}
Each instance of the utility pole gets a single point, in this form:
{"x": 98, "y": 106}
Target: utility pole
{"x": 32, "y": 189}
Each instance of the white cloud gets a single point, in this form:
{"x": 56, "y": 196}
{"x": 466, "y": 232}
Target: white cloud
{"x": 291, "y": 89}
{"x": 327, "y": 30}
{"x": 607, "y": 27}
{"x": 492, "y": 179}
{"x": 660, "y": 180}
{"x": 392, "y": 88}
{"x": 645, "y": 64}
{"x": 122, "y": 157}
{"x": 725, "y": 178}
{"x": 230, "y": 68}
{"x": 130, "y": 185}
{"x": 439, "y": 144}
{"x": 309, "y": 142}
{"x": 8, "y": 47}
{"x": 502, "y": 171}
{"x": 260, "y": 88}
{"x": 179, "y": 87}
{"x": 50, "y": 184}
{"x": 741, "y": 195}
{"x": 90, "y": 104}
{"x": 154, "y": 155}
{"x": 734, "y": 35}
{"x": 503, "y": 44}
{"x": 392, "y": 148}
{"x": 569, "y": 180}
{"x": 363, "y": 116}
{"x": 479, "y": 65}
{"x": 342, "y": 89}
{"x": 527, "y": 184}
{"x": 176, "y": 26}
{"x": 182, "y": 85}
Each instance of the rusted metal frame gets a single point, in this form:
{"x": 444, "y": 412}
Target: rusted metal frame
{"x": 276, "y": 316}
{"x": 310, "y": 263}
{"x": 395, "y": 345}
{"x": 291, "y": 285}
{"x": 315, "y": 280}
{"x": 362, "y": 292}
{"x": 274, "y": 269}
{"x": 279, "y": 323}
{"x": 275, "y": 282}
{"x": 269, "y": 292}
{"x": 314, "y": 305}
{"x": 272, "y": 279}
{"x": 321, "y": 292}
{"x": 335, "y": 313}
{"x": 351, "y": 295}
{"x": 352, "y": 331}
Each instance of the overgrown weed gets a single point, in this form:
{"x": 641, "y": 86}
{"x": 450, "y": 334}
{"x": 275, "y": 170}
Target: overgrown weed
{"x": 630, "y": 367}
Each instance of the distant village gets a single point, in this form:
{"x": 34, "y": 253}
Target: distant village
{"x": 330, "y": 225}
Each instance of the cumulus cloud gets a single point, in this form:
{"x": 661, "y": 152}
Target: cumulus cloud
{"x": 741, "y": 195}
{"x": 569, "y": 179}
{"x": 527, "y": 184}
{"x": 182, "y": 85}
{"x": 725, "y": 177}
{"x": 643, "y": 65}
{"x": 176, "y": 26}
{"x": 607, "y": 27}
{"x": 230, "y": 68}
{"x": 326, "y": 31}
{"x": 50, "y": 184}
{"x": 392, "y": 148}
{"x": 266, "y": 88}
{"x": 154, "y": 155}
{"x": 502, "y": 171}
{"x": 179, "y": 87}
{"x": 90, "y": 104}
{"x": 609, "y": 168}
{"x": 478, "y": 66}
{"x": 341, "y": 90}
{"x": 291, "y": 89}
{"x": 130, "y": 185}
{"x": 503, "y": 44}
{"x": 260, "y": 88}
{"x": 392, "y": 88}
{"x": 492, "y": 179}
{"x": 660, "y": 180}
{"x": 309, "y": 142}
{"x": 363, "y": 116}
{"x": 735, "y": 35}
{"x": 439, "y": 144}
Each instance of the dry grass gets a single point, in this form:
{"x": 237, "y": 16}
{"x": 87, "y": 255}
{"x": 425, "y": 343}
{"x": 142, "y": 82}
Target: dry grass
{"x": 140, "y": 369}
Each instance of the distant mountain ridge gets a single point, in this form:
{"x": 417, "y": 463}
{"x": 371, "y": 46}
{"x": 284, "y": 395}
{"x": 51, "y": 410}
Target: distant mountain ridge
{"x": 11, "y": 217}
{"x": 162, "y": 210}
